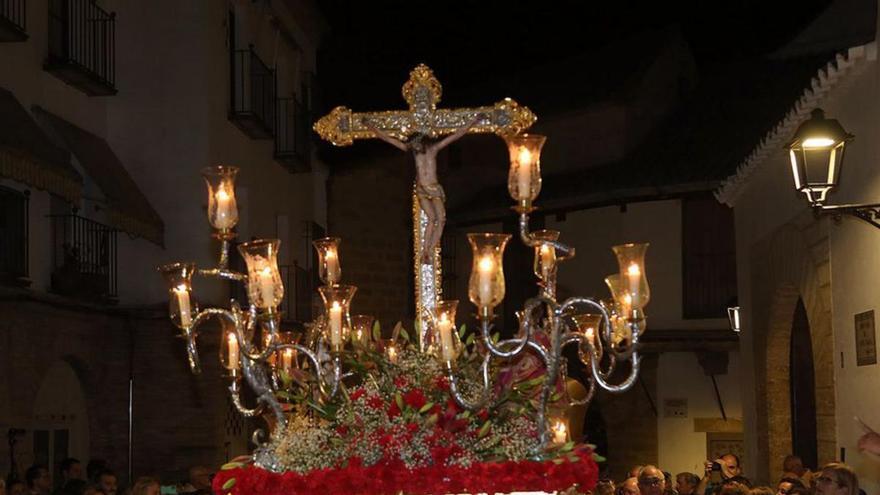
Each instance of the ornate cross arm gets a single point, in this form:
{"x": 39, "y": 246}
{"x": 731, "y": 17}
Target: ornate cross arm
{"x": 342, "y": 126}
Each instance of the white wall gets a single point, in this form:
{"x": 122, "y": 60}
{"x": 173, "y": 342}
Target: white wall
{"x": 770, "y": 201}
{"x": 680, "y": 376}
{"x": 168, "y": 121}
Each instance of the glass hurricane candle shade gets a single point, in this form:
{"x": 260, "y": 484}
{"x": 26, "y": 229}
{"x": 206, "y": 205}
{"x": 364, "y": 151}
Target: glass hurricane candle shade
{"x": 222, "y": 208}
{"x": 524, "y": 178}
{"x": 362, "y": 329}
{"x": 265, "y": 289}
{"x": 444, "y": 336}
{"x": 486, "y": 284}
{"x": 545, "y": 255}
{"x": 329, "y": 267}
{"x": 633, "y": 281}
{"x": 337, "y": 303}
{"x": 182, "y": 308}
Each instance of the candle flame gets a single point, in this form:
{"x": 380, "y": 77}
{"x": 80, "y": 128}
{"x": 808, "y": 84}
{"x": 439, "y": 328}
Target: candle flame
{"x": 288, "y": 353}
{"x": 627, "y": 299}
{"x": 633, "y": 269}
{"x": 559, "y": 427}
{"x": 486, "y": 264}
{"x": 181, "y": 288}
{"x": 335, "y": 306}
{"x": 231, "y": 340}
{"x": 525, "y": 157}
{"x": 545, "y": 249}
{"x": 331, "y": 253}
{"x": 222, "y": 194}
{"x": 266, "y": 271}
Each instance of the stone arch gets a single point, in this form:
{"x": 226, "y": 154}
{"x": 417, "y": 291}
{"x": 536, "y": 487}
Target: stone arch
{"x": 792, "y": 263}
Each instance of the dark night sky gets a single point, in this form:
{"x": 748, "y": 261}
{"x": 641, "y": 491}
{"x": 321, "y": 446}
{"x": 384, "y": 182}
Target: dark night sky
{"x": 374, "y": 43}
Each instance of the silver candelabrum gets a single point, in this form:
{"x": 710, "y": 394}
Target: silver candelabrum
{"x": 256, "y": 350}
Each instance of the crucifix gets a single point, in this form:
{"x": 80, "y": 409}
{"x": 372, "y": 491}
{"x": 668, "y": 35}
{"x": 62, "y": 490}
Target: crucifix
{"x": 424, "y": 130}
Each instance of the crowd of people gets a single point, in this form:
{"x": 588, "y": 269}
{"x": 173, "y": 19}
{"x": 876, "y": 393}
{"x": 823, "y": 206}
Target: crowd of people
{"x": 724, "y": 477}
{"x": 98, "y": 479}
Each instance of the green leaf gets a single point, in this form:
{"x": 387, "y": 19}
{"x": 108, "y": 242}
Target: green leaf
{"x": 568, "y": 446}
{"x": 427, "y": 407}
{"x": 555, "y": 397}
{"x": 495, "y": 337}
{"x": 398, "y": 399}
{"x": 470, "y": 340}
{"x": 377, "y": 331}
{"x": 598, "y": 458}
{"x": 405, "y": 334}
{"x": 484, "y": 430}
{"x": 229, "y": 484}
{"x": 462, "y": 330}
{"x": 558, "y": 461}
{"x": 432, "y": 419}
{"x": 231, "y": 465}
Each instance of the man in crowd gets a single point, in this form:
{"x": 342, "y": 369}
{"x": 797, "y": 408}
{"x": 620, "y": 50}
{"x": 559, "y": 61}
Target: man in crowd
{"x": 199, "y": 480}
{"x": 729, "y": 468}
{"x": 686, "y": 483}
{"x": 793, "y": 467}
{"x": 630, "y": 486}
{"x": 651, "y": 481}
{"x": 71, "y": 469}
{"x": 106, "y": 482}
{"x": 38, "y": 480}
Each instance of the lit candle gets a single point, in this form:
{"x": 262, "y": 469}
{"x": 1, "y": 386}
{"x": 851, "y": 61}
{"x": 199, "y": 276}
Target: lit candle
{"x": 227, "y": 213}
{"x": 183, "y": 305}
{"x": 486, "y": 269}
{"x": 232, "y": 344}
{"x": 560, "y": 433}
{"x": 634, "y": 274}
{"x": 590, "y": 334}
{"x": 336, "y": 325}
{"x": 548, "y": 259}
{"x": 447, "y": 350}
{"x": 524, "y": 173}
{"x": 332, "y": 261}
{"x": 391, "y": 351}
{"x": 287, "y": 360}
{"x": 267, "y": 287}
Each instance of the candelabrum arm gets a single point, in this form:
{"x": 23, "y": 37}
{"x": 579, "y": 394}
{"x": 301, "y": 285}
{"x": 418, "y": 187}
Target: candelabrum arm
{"x": 526, "y": 324}
{"x": 190, "y": 334}
{"x": 328, "y": 389}
{"x": 485, "y": 392}
{"x": 235, "y": 393}
{"x": 223, "y": 273}
{"x": 563, "y": 251}
{"x": 192, "y": 351}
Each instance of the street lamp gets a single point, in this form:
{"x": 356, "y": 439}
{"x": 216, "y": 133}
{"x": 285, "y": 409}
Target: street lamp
{"x": 816, "y": 154}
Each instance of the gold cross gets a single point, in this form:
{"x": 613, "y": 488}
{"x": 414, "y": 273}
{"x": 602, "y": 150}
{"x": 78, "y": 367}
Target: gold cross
{"x": 422, "y": 92}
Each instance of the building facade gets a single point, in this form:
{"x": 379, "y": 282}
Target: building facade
{"x": 111, "y": 109}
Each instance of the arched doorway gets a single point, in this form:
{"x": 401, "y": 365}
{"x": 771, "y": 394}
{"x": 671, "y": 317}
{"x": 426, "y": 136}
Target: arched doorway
{"x": 803, "y": 389}
{"x": 60, "y": 425}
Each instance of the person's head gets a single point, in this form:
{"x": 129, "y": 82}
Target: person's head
{"x": 604, "y": 487}
{"x": 762, "y": 490}
{"x": 739, "y": 480}
{"x": 793, "y": 464}
{"x": 107, "y": 482}
{"x": 16, "y": 487}
{"x": 733, "y": 489}
{"x": 729, "y": 466}
{"x": 634, "y": 472}
{"x": 685, "y": 483}
{"x": 837, "y": 478}
{"x": 651, "y": 481}
{"x": 71, "y": 469}
{"x": 786, "y": 484}
{"x": 417, "y": 143}
{"x": 200, "y": 477}
{"x": 37, "y": 478}
{"x": 146, "y": 485}
{"x": 630, "y": 486}
{"x": 94, "y": 468}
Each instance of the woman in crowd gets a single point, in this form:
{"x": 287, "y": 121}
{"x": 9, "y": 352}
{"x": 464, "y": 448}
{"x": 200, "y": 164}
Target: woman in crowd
{"x": 837, "y": 478}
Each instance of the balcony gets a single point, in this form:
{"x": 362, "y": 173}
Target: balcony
{"x": 252, "y": 95}
{"x": 13, "y": 237}
{"x": 82, "y": 46}
{"x": 13, "y": 20}
{"x": 292, "y": 139}
{"x": 83, "y": 258}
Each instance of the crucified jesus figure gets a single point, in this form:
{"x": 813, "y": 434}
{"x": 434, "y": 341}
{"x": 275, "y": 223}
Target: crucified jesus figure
{"x": 430, "y": 193}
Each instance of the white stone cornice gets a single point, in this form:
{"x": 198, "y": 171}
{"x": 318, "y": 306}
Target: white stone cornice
{"x": 828, "y": 78}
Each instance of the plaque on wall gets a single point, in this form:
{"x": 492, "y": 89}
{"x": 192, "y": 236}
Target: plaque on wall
{"x": 718, "y": 444}
{"x": 675, "y": 408}
{"x": 866, "y": 341}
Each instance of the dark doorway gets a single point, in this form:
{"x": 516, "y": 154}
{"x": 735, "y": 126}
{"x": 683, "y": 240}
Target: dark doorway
{"x": 803, "y": 390}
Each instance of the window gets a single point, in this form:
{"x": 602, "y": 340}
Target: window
{"x": 708, "y": 257}
{"x": 13, "y": 235}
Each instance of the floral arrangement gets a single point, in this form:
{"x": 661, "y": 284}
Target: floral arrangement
{"x": 394, "y": 428}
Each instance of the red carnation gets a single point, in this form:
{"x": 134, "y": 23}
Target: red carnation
{"x": 415, "y": 399}
{"x": 393, "y": 411}
{"x": 442, "y": 383}
{"x": 401, "y": 382}
{"x": 375, "y": 402}
{"x": 357, "y": 394}
{"x": 483, "y": 415}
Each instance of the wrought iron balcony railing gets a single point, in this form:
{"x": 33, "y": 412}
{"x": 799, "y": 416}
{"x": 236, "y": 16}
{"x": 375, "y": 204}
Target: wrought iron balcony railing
{"x": 13, "y": 237}
{"x": 252, "y": 94}
{"x": 292, "y": 135}
{"x": 84, "y": 257}
{"x": 82, "y": 46}
{"x": 13, "y": 20}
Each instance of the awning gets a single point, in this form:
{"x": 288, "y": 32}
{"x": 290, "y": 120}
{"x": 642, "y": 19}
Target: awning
{"x": 128, "y": 208}
{"x": 27, "y": 155}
